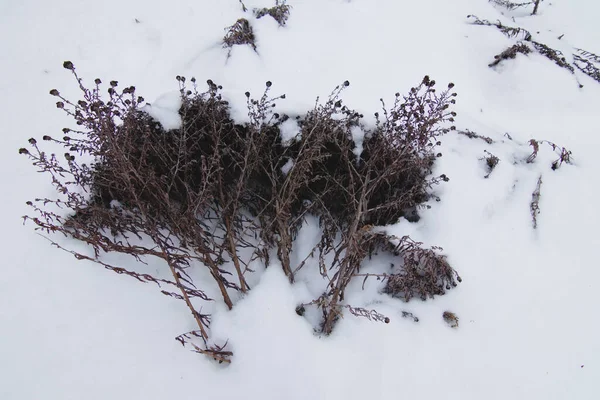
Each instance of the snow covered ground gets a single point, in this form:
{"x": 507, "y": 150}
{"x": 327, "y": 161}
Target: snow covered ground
{"x": 528, "y": 304}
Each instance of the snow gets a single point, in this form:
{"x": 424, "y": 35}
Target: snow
{"x": 287, "y": 166}
{"x": 529, "y": 298}
{"x": 289, "y": 130}
{"x": 358, "y": 137}
{"x": 166, "y": 110}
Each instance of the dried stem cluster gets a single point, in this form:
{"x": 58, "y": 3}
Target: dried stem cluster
{"x": 217, "y": 196}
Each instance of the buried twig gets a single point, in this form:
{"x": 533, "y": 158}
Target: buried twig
{"x": 534, "y": 207}
{"x": 215, "y": 352}
{"x": 473, "y": 135}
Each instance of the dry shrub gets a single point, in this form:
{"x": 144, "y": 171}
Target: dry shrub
{"x": 534, "y": 206}
{"x": 509, "y": 31}
{"x": 473, "y": 135}
{"x": 213, "y": 194}
{"x": 351, "y": 192}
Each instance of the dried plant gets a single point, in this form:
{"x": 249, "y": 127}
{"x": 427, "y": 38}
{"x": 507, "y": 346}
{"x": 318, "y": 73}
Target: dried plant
{"x": 280, "y": 12}
{"x": 564, "y": 155}
{"x": 406, "y": 314}
{"x": 450, "y": 318}
{"x": 490, "y": 161}
{"x": 511, "y": 32}
{"x": 554, "y": 55}
{"x": 588, "y": 63}
{"x": 534, "y": 206}
{"x": 473, "y": 135}
{"x": 240, "y": 33}
{"x": 510, "y": 5}
{"x": 214, "y": 195}
{"x": 513, "y": 6}
{"x": 424, "y": 273}
{"x": 145, "y": 185}
{"x": 510, "y": 53}
{"x": 353, "y": 191}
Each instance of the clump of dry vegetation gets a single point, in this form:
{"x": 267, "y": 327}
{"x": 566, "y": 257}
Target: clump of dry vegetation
{"x": 510, "y": 53}
{"x": 451, "y": 319}
{"x": 280, "y": 12}
{"x": 240, "y": 33}
{"x": 213, "y": 197}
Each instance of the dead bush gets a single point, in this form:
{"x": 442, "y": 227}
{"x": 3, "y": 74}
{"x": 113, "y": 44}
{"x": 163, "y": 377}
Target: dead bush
{"x": 217, "y": 196}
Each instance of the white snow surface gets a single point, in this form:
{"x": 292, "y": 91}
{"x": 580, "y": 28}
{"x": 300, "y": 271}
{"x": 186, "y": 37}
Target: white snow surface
{"x": 289, "y": 130}
{"x": 528, "y": 304}
{"x": 166, "y": 110}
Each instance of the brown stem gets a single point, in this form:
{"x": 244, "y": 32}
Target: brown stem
{"x": 535, "y": 7}
{"x": 331, "y": 313}
{"x": 234, "y": 256}
{"x": 284, "y": 249}
{"x": 186, "y": 298}
{"x": 214, "y": 271}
